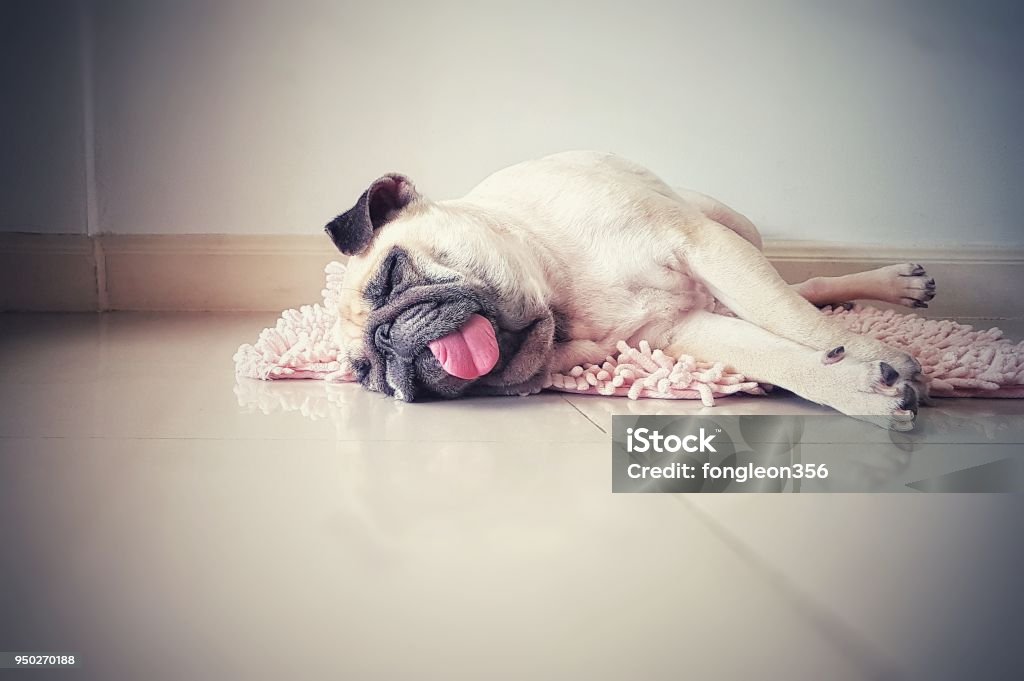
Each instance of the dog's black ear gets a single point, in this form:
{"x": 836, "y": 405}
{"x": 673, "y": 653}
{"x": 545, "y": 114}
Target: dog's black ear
{"x": 353, "y": 230}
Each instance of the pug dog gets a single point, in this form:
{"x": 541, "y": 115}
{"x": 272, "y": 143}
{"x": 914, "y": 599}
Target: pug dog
{"x": 549, "y": 263}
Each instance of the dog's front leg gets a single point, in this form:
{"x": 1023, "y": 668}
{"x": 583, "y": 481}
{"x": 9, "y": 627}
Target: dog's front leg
{"x": 565, "y": 356}
{"x": 848, "y": 385}
{"x": 741, "y": 277}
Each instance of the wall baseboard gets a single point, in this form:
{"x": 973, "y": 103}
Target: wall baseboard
{"x": 47, "y": 272}
{"x": 269, "y": 273}
{"x": 214, "y": 272}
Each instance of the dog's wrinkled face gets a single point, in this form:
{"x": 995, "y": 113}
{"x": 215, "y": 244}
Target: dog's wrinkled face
{"x": 427, "y": 309}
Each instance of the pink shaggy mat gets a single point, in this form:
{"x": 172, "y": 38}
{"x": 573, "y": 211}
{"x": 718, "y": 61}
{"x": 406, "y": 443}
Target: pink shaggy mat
{"x": 958, "y": 360}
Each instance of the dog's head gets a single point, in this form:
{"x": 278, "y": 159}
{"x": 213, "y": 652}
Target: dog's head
{"x": 436, "y": 300}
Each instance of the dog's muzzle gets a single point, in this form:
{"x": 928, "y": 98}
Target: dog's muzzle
{"x": 433, "y": 339}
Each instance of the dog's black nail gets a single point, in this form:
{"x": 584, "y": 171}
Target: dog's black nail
{"x": 915, "y": 271}
{"x": 909, "y": 399}
{"x": 889, "y": 375}
{"x": 930, "y": 284}
{"x": 835, "y": 352}
{"x": 918, "y": 303}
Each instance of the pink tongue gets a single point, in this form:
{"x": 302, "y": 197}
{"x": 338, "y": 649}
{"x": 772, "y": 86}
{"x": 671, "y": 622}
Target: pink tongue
{"x": 470, "y": 352}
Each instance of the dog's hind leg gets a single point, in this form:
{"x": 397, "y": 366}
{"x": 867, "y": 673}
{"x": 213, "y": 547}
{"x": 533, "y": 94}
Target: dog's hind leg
{"x": 739, "y": 275}
{"x": 860, "y": 389}
{"x": 907, "y": 284}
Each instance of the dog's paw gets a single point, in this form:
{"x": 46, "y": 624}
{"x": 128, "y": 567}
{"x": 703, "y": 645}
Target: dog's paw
{"x": 884, "y": 391}
{"x": 907, "y": 284}
{"x": 907, "y": 370}
{"x": 885, "y": 379}
{"x": 883, "y": 366}
{"x": 894, "y": 409}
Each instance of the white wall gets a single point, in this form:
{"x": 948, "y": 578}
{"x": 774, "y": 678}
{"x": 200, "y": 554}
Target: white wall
{"x": 883, "y": 122}
{"x": 42, "y": 170}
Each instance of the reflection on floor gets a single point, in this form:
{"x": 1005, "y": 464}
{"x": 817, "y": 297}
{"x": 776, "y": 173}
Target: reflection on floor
{"x": 218, "y": 529}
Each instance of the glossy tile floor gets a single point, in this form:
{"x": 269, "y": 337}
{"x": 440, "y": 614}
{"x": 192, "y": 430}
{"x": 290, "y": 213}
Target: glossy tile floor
{"x": 164, "y": 521}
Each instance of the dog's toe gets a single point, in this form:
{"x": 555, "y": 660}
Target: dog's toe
{"x": 909, "y": 400}
{"x": 888, "y": 374}
{"x": 911, "y": 270}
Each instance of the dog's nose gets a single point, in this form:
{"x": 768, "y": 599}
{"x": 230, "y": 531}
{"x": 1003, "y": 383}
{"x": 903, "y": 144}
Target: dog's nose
{"x": 382, "y": 338}
{"x": 399, "y": 342}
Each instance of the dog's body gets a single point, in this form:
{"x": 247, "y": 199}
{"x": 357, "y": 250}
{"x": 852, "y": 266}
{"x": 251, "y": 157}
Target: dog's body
{"x": 569, "y": 254}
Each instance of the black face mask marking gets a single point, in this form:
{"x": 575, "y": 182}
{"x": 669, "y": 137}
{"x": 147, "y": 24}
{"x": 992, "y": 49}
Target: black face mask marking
{"x": 409, "y": 310}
